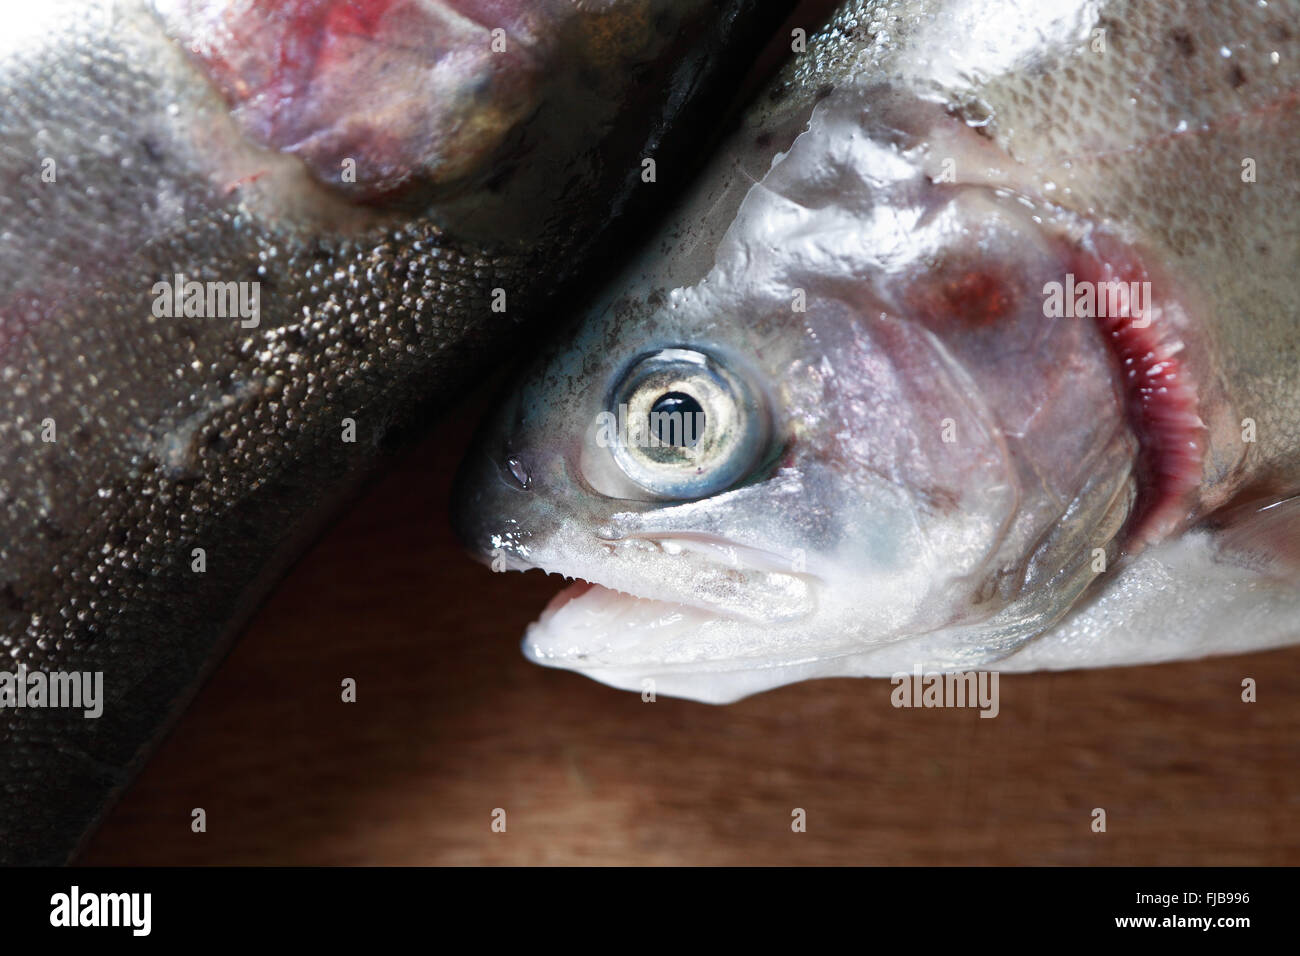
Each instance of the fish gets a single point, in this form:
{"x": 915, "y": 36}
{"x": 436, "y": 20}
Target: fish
{"x": 248, "y": 251}
{"x": 973, "y": 348}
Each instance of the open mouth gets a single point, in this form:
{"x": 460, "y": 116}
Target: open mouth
{"x": 692, "y": 608}
{"x": 664, "y": 646}
{"x": 588, "y": 625}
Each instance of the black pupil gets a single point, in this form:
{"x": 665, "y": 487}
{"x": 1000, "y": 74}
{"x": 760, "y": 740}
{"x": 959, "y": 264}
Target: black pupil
{"x": 677, "y": 419}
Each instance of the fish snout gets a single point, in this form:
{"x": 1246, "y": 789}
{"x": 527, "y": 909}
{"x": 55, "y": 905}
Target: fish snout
{"x": 489, "y": 494}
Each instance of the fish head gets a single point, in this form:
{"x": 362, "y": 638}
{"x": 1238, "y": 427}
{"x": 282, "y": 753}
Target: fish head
{"x": 860, "y": 440}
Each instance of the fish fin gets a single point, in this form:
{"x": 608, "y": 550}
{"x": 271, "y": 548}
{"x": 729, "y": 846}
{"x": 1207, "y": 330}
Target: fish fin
{"x": 1263, "y": 536}
{"x": 1179, "y": 599}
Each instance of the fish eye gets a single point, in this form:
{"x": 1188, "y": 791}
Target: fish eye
{"x": 687, "y": 426}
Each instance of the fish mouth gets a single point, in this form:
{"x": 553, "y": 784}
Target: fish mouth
{"x": 682, "y": 609}
{"x": 587, "y": 625}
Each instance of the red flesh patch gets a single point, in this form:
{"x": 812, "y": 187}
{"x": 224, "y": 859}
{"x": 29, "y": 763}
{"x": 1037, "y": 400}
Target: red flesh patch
{"x": 374, "y": 96}
{"x": 974, "y": 297}
{"x": 294, "y": 38}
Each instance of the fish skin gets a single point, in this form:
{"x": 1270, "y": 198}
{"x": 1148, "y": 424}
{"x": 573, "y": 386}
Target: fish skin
{"x": 174, "y": 434}
{"x": 856, "y": 545}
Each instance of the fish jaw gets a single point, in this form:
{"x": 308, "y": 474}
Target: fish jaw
{"x": 721, "y": 636}
{"x": 629, "y": 643}
{"x": 651, "y": 600}
{"x": 680, "y": 650}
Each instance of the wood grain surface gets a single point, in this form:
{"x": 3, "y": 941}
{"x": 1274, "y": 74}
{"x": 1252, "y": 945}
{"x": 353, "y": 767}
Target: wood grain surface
{"x": 451, "y": 723}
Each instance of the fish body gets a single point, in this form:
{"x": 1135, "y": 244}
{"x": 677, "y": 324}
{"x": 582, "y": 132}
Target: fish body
{"x": 246, "y": 249}
{"x": 987, "y": 319}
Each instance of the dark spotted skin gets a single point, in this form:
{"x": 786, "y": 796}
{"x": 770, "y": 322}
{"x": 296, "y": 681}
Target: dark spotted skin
{"x": 175, "y": 434}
